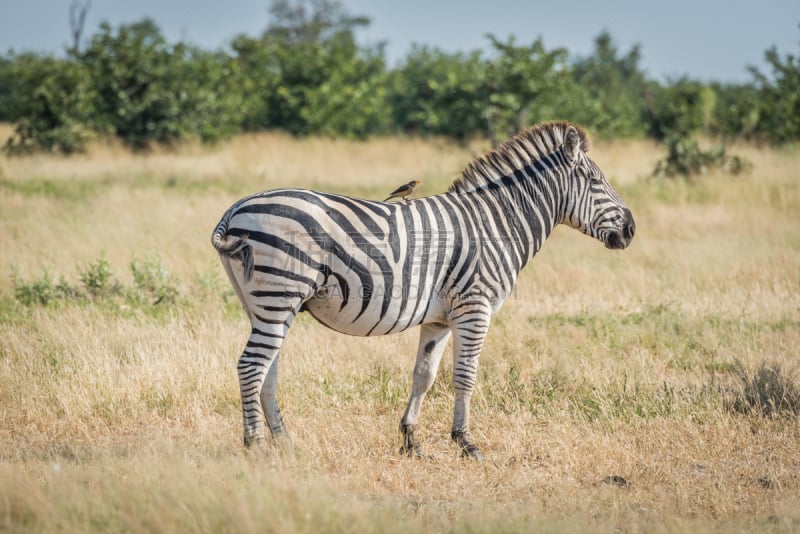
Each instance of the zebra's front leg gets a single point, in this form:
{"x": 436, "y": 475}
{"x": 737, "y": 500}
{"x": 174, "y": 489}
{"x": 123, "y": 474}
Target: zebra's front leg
{"x": 432, "y": 342}
{"x": 470, "y": 331}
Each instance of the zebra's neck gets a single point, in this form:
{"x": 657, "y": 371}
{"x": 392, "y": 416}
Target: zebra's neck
{"x": 517, "y": 212}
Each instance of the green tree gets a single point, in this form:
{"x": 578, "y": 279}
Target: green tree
{"x": 779, "y": 97}
{"x": 737, "y": 110}
{"x": 682, "y": 107}
{"x": 433, "y": 92}
{"x": 210, "y": 101}
{"x": 462, "y": 95}
{"x": 259, "y": 77}
{"x": 132, "y": 70}
{"x": 307, "y": 74}
{"x": 524, "y": 84}
{"x": 50, "y": 102}
{"x": 6, "y": 82}
{"x": 149, "y": 91}
{"x": 607, "y": 93}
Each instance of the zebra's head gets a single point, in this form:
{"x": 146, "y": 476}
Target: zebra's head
{"x": 592, "y": 205}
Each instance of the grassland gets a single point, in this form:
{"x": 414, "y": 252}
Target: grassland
{"x": 617, "y": 391}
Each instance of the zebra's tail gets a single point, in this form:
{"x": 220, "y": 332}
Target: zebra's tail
{"x": 233, "y": 247}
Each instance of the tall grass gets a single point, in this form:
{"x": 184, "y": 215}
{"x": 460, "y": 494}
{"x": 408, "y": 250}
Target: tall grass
{"x": 119, "y": 407}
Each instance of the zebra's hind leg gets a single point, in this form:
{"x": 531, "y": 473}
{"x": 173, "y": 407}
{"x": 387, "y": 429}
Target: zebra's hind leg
{"x": 269, "y": 401}
{"x": 252, "y": 369}
{"x": 432, "y": 341}
{"x": 256, "y": 368}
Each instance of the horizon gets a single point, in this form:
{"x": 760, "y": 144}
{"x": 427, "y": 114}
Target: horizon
{"x": 717, "y": 44}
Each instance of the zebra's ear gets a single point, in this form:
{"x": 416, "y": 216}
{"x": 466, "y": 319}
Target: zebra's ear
{"x": 572, "y": 144}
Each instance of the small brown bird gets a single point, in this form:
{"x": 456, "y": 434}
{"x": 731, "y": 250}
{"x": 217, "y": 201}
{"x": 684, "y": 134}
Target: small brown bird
{"x": 404, "y": 190}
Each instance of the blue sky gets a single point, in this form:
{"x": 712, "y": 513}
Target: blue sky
{"x": 704, "y": 39}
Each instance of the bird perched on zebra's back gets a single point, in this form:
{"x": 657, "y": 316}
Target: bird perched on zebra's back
{"x": 404, "y": 190}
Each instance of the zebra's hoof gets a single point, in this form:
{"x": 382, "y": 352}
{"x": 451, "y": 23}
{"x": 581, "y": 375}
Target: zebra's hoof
{"x": 410, "y": 445}
{"x": 472, "y": 451}
{"x": 254, "y": 442}
{"x": 413, "y": 452}
{"x": 467, "y": 445}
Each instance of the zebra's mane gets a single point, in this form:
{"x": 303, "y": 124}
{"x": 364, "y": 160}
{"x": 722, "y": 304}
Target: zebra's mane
{"x": 523, "y": 149}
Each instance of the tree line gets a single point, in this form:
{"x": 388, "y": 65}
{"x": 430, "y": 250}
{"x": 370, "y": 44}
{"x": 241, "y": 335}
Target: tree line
{"x": 307, "y": 74}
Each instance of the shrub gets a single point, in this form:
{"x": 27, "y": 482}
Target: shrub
{"x": 308, "y": 75}
{"x": 607, "y": 91}
{"x": 153, "y": 283}
{"x": 434, "y": 92}
{"x": 50, "y": 101}
{"x": 779, "y": 98}
{"x": 686, "y": 158}
{"x": 681, "y": 107}
{"x": 767, "y": 391}
{"x": 6, "y": 81}
{"x": 97, "y": 281}
{"x": 41, "y": 292}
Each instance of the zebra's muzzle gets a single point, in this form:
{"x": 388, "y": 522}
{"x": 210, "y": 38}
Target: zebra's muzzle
{"x": 619, "y": 239}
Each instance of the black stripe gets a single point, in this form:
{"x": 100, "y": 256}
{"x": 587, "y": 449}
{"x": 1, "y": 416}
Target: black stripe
{"x": 407, "y": 217}
{"x": 271, "y": 321}
{"x": 257, "y": 345}
{"x": 256, "y": 331}
{"x": 501, "y": 241}
{"x": 470, "y": 249}
{"x": 459, "y": 249}
{"x": 441, "y": 236}
{"x": 356, "y": 206}
{"x": 274, "y": 271}
{"x": 254, "y": 355}
{"x": 278, "y": 294}
{"x": 276, "y": 308}
{"x": 424, "y": 265}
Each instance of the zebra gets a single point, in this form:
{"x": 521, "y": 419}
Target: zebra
{"x": 444, "y": 262}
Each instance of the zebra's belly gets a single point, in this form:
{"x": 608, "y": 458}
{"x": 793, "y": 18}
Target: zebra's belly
{"x": 372, "y": 315}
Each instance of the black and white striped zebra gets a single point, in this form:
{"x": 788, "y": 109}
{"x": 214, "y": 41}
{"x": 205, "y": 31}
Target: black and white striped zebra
{"x": 445, "y": 262}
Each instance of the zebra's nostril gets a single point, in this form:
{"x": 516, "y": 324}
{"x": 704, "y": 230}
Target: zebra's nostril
{"x": 630, "y": 229}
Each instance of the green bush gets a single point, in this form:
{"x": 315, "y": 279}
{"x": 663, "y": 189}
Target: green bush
{"x": 97, "y": 279}
{"x": 307, "y": 75}
{"x": 42, "y": 291}
{"x": 433, "y": 92}
{"x": 524, "y": 85}
{"x": 6, "y": 80}
{"x": 686, "y": 158}
{"x": 779, "y": 98}
{"x": 148, "y": 91}
{"x": 680, "y": 108}
{"x": 50, "y": 101}
{"x": 153, "y": 283}
{"x": 153, "y": 286}
{"x": 463, "y": 95}
{"x": 607, "y": 91}
{"x": 736, "y": 113}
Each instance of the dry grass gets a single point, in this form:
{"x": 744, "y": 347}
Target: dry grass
{"x": 6, "y": 132}
{"x": 116, "y": 414}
